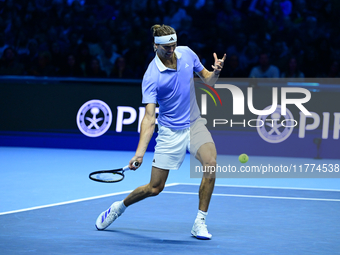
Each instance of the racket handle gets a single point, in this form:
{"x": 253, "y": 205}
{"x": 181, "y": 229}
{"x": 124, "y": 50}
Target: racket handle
{"x": 135, "y": 164}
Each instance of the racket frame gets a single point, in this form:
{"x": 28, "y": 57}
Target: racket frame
{"x": 119, "y": 171}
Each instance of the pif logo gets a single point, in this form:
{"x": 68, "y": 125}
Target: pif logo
{"x": 274, "y": 128}
{"x": 94, "y": 118}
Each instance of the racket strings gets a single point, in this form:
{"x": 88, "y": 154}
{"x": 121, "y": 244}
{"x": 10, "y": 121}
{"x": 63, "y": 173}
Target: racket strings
{"x": 108, "y": 177}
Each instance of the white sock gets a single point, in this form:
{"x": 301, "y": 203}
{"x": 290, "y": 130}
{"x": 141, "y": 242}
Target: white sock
{"x": 201, "y": 215}
{"x": 121, "y": 207}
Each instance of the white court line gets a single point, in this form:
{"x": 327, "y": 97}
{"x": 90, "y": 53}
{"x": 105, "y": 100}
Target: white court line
{"x": 74, "y": 201}
{"x": 186, "y": 193}
{"x": 65, "y": 203}
{"x": 251, "y": 196}
{"x": 263, "y": 187}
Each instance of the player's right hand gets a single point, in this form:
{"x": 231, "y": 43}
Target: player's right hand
{"x": 135, "y": 159}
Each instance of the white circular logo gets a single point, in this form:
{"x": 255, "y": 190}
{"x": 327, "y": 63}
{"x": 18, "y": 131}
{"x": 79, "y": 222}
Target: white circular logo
{"x": 94, "y": 118}
{"x": 277, "y": 127}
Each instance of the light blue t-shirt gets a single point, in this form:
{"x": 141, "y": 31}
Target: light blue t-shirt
{"x": 173, "y": 89}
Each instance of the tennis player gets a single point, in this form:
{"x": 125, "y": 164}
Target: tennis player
{"x": 168, "y": 81}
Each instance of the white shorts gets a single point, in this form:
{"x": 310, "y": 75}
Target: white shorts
{"x": 172, "y": 145}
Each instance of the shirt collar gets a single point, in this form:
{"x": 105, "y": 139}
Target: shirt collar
{"x": 161, "y": 66}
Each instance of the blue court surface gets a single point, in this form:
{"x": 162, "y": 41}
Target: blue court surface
{"x": 49, "y": 206}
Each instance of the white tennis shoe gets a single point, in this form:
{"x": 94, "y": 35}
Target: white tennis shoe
{"x": 200, "y": 231}
{"x": 107, "y": 217}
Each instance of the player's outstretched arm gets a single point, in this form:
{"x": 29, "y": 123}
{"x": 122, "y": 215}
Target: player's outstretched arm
{"x": 146, "y": 132}
{"x": 210, "y": 78}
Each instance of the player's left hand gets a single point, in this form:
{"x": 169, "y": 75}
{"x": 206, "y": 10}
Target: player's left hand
{"x": 218, "y": 63}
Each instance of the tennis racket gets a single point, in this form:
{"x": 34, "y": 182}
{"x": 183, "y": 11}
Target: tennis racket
{"x": 108, "y": 176}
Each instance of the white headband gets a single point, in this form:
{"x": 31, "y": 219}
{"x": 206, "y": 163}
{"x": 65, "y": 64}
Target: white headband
{"x": 165, "y": 39}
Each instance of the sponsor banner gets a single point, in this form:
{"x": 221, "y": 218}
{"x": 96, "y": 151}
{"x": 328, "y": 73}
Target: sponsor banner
{"x": 261, "y": 117}
{"x": 71, "y": 113}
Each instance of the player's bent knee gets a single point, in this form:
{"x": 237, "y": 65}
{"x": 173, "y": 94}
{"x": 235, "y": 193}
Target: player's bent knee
{"x": 155, "y": 191}
{"x": 210, "y": 162}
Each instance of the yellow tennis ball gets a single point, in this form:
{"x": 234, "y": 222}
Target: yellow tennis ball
{"x": 243, "y": 158}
